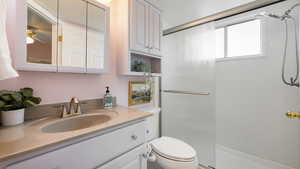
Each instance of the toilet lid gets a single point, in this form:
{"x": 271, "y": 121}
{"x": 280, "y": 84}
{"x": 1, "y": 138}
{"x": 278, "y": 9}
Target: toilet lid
{"x": 173, "y": 149}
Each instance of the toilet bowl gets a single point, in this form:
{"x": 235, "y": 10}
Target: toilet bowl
{"x": 171, "y": 153}
{"x": 167, "y": 152}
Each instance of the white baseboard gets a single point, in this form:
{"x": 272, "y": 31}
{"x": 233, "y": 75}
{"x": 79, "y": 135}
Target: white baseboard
{"x": 231, "y": 159}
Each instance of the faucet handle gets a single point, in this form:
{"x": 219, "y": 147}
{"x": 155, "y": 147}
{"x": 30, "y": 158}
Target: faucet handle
{"x": 74, "y": 100}
{"x": 64, "y": 111}
{"x": 79, "y": 109}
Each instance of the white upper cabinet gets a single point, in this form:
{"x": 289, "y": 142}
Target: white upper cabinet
{"x": 72, "y": 36}
{"x": 62, "y": 36}
{"x": 139, "y": 26}
{"x": 98, "y": 29}
{"x": 155, "y": 32}
{"x": 136, "y": 28}
{"x": 145, "y": 28}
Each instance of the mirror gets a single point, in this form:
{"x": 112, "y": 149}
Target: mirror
{"x": 72, "y": 34}
{"x": 41, "y": 32}
{"x": 69, "y": 34}
{"x": 96, "y": 37}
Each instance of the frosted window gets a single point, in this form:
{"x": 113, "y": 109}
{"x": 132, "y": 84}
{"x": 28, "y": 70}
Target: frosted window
{"x": 244, "y": 39}
{"x": 220, "y": 43}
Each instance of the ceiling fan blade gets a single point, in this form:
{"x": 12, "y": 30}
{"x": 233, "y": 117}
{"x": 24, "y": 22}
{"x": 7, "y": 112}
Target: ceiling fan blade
{"x": 43, "y": 37}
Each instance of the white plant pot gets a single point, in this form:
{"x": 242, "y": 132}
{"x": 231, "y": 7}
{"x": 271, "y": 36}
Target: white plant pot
{"x": 12, "y": 118}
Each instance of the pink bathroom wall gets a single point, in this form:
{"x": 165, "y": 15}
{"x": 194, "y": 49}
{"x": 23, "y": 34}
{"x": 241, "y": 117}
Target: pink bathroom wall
{"x": 59, "y": 87}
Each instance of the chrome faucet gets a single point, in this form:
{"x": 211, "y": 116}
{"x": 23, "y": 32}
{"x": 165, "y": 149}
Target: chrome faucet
{"x": 74, "y": 108}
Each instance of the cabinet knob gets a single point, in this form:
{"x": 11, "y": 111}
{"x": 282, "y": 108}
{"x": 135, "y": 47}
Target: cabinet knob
{"x": 134, "y": 137}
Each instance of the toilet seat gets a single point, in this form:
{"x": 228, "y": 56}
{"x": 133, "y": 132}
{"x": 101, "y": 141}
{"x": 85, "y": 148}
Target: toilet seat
{"x": 173, "y": 149}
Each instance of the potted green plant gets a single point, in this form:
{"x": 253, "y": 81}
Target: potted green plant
{"x": 13, "y": 104}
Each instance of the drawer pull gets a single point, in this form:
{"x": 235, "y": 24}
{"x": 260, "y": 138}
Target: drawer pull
{"x": 134, "y": 137}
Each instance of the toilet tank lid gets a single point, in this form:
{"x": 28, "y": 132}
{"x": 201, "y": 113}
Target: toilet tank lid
{"x": 173, "y": 149}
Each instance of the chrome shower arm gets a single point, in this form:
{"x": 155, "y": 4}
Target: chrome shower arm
{"x": 292, "y": 8}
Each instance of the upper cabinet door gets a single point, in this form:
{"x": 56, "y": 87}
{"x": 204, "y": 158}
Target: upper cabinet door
{"x": 35, "y": 35}
{"x": 155, "y": 31}
{"x": 97, "y": 38}
{"x": 139, "y": 26}
{"x": 72, "y": 36}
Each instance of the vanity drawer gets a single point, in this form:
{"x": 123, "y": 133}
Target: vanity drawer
{"x": 132, "y": 160}
{"x": 90, "y": 153}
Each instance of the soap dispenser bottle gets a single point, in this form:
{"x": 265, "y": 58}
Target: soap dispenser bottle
{"x": 108, "y": 100}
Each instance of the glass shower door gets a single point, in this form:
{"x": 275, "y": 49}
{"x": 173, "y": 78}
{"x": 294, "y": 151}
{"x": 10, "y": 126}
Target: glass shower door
{"x": 188, "y": 90}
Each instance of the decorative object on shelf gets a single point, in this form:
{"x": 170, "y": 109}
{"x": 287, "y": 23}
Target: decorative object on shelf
{"x": 6, "y": 69}
{"x": 138, "y": 66}
{"x": 141, "y": 66}
{"x": 139, "y": 93}
{"x": 13, "y": 104}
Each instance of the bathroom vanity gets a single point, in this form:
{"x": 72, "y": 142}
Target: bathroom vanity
{"x": 118, "y": 142}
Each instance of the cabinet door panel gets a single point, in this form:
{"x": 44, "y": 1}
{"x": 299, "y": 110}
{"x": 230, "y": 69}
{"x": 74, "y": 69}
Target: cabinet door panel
{"x": 139, "y": 26}
{"x": 155, "y": 31}
{"x": 131, "y": 160}
{"x": 72, "y": 36}
{"x": 35, "y": 34}
{"x": 97, "y": 38}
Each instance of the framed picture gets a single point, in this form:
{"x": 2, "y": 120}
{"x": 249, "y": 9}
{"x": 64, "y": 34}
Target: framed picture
{"x": 138, "y": 93}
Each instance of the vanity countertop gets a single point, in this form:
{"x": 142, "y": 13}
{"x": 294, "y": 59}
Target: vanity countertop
{"x": 28, "y": 137}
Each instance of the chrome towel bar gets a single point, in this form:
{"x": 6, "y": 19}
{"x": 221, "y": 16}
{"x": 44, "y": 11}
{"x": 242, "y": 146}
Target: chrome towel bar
{"x": 187, "y": 92}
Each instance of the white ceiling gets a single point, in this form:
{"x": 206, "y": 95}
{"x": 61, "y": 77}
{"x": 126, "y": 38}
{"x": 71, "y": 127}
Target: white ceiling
{"x": 177, "y": 12}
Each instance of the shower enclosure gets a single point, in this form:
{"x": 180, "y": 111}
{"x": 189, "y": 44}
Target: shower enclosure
{"x": 239, "y": 113}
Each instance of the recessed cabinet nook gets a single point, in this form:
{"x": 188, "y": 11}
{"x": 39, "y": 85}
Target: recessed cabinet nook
{"x": 138, "y": 30}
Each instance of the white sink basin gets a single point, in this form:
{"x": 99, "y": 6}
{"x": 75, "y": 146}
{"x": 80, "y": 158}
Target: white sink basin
{"x": 76, "y": 123}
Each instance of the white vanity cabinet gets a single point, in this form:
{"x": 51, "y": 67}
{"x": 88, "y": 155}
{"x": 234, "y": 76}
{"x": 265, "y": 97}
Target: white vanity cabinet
{"x": 136, "y": 25}
{"x": 120, "y": 149}
{"x": 134, "y": 159}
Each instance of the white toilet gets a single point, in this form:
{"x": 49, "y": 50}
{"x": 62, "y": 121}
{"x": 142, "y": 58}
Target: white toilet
{"x": 171, "y": 153}
{"x": 167, "y": 152}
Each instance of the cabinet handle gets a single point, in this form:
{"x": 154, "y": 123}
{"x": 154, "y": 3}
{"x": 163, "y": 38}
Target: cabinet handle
{"x": 293, "y": 114}
{"x": 134, "y": 137}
